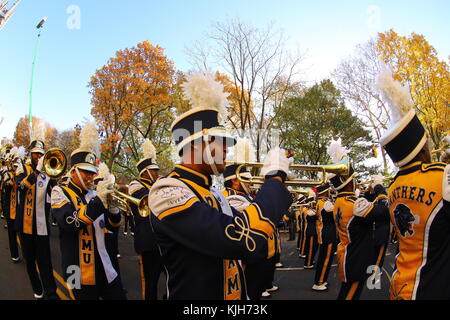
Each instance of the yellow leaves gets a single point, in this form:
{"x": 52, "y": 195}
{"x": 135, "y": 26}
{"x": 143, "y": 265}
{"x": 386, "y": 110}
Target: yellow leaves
{"x": 414, "y": 62}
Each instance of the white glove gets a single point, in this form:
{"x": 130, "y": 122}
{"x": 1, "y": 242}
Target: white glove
{"x": 104, "y": 189}
{"x": 40, "y": 164}
{"x": 378, "y": 179}
{"x": 276, "y": 161}
{"x": 328, "y": 206}
{"x": 361, "y": 207}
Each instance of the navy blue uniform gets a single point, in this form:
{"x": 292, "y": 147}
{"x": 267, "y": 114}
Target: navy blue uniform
{"x": 201, "y": 244}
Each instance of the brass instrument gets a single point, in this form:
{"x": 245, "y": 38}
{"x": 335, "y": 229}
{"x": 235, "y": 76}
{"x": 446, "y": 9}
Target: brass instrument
{"x": 340, "y": 168}
{"x": 122, "y": 199}
{"x": 54, "y": 163}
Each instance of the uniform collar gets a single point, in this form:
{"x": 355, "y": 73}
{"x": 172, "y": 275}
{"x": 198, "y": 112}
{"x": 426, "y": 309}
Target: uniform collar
{"x": 76, "y": 189}
{"x": 345, "y": 194}
{"x": 194, "y": 176}
{"x": 236, "y": 191}
{"x": 411, "y": 165}
{"x": 146, "y": 182}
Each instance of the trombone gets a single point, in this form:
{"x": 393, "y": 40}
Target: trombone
{"x": 54, "y": 163}
{"x": 340, "y": 168}
{"x": 122, "y": 201}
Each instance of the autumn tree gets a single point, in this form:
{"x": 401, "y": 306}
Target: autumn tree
{"x": 259, "y": 66}
{"x": 69, "y": 140}
{"x": 415, "y": 63}
{"x": 22, "y": 133}
{"x": 355, "y": 77}
{"x": 308, "y": 122}
{"x": 132, "y": 100}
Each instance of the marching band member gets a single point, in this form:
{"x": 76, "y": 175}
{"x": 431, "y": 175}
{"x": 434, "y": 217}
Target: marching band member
{"x": 299, "y": 219}
{"x": 419, "y": 201}
{"x": 82, "y": 216}
{"x": 311, "y": 226}
{"x": 354, "y": 221}
{"x": 302, "y": 239}
{"x": 326, "y": 237}
{"x": 32, "y": 217}
{"x": 144, "y": 239}
{"x": 258, "y": 274}
{"x": 200, "y": 236}
{"x": 382, "y": 228}
{"x": 9, "y": 203}
{"x": 111, "y": 234}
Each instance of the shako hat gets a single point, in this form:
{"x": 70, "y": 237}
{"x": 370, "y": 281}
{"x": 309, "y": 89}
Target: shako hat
{"x": 149, "y": 159}
{"x": 406, "y": 135}
{"x": 337, "y": 153}
{"x": 37, "y": 138}
{"x": 208, "y": 109}
{"x": 84, "y": 157}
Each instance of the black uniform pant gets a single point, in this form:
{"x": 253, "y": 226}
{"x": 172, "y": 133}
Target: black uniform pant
{"x": 151, "y": 269}
{"x": 258, "y": 277}
{"x": 270, "y": 275}
{"x": 351, "y": 290}
{"x": 12, "y": 237}
{"x": 299, "y": 241}
{"x": 36, "y": 250}
{"x": 101, "y": 290}
{"x": 311, "y": 245}
{"x": 324, "y": 261}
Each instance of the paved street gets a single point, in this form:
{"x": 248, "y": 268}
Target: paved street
{"x": 294, "y": 282}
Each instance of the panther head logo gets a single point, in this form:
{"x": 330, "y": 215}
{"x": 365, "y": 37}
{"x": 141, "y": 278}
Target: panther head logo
{"x": 404, "y": 219}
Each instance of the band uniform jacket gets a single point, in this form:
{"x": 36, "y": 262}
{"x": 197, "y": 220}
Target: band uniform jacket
{"x": 326, "y": 229}
{"x": 312, "y": 224}
{"x": 201, "y": 242}
{"x": 382, "y": 229}
{"x": 144, "y": 238}
{"x": 355, "y": 228}
{"x": 420, "y": 212}
{"x": 33, "y": 211}
{"x": 240, "y": 201}
{"x": 9, "y": 195}
{"x": 81, "y": 218}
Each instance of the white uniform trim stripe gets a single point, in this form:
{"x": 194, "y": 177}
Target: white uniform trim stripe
{"x": 425, "y": 246}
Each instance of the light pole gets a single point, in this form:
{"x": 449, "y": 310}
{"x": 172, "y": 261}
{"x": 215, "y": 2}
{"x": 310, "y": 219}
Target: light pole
{"x": 36, "y": 48}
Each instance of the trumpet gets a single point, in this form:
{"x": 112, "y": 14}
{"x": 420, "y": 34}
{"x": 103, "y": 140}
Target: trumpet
{"x": 54, "y": 163}
{"x": 340, "y": 168}
{"x": 122, "y": 200}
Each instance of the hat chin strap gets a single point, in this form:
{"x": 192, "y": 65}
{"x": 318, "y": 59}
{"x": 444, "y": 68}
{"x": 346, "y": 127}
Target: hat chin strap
{"x": 209, "y": 157}
{"x": 150, "y": 175}
{"x": 247, "y": 192}
{"x": 81, "y": 179}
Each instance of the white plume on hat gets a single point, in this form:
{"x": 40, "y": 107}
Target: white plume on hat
{"x": 103, "y": 171}
{"x": 13, "y": 153}
{"x": 336, "y": 151}
{"x": 38, "y": 130}
{"x": 243, "y": 151}
{"x": 20, "y": 153}
{"x": 202, "y": 90}
{"x": 89, "y": 138}
{"x": 311, "y": 193}
{"x": 149, "y": 150}
{"x": 397, "y": 96}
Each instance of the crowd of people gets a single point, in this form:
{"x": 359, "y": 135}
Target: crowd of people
{"x": 224, "y": 245}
